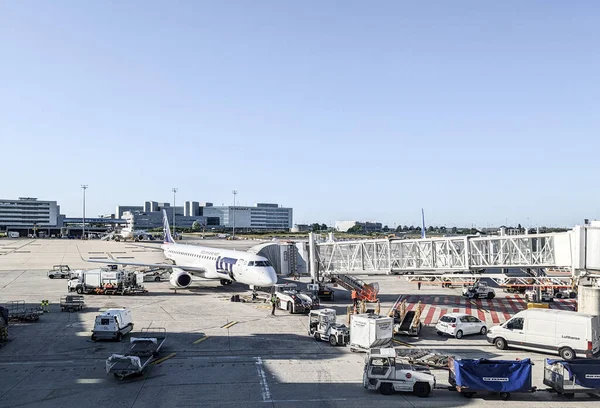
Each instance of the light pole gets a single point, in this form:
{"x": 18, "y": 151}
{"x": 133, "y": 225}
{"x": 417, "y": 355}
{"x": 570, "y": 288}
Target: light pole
{"x": 83, "y": 187}
{"x": 234, "y": 194}
{"x": 174, "y": 190}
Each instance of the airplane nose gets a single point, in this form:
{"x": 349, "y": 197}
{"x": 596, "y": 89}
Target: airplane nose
{"x": 270, "y": 277}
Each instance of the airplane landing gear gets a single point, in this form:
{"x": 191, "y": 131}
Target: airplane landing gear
{"x": 225, "y": 282}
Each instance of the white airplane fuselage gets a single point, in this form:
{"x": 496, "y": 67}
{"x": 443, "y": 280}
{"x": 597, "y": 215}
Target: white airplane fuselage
{"x": 223, "y": 264}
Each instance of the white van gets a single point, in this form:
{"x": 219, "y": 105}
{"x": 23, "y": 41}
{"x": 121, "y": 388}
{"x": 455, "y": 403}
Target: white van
{"x": 569, "y": 334}
{"x": 112, "y": 324}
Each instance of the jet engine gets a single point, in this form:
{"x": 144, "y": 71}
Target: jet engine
{"x": 180, "y": 278}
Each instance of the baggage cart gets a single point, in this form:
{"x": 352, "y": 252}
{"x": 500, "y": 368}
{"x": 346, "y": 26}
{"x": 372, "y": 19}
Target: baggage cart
{"x": 71, "y": 303}
{"x": 568, "y": 378}
{"x": 138, "y": 353}
{"x": 17, "y": 311}
{"x": 500, "y": 377}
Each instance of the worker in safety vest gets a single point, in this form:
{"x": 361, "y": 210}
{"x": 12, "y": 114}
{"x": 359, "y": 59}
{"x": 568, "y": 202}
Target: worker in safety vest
{"x": 273, "y": 303}
{"x": 354, "y": 297}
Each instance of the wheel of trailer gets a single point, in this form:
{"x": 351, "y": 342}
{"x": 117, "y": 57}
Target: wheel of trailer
{"x": 483, "y": 331}
{"x": 566, "y": 353}
{"x": 80, "y": 291}
{"x": 332, "y": 340}
{"x": 569, "y": 395}
{"x": 468, "y": 394}
{"x": 505, "y": 396}
{"x": 422, "y": 389}
{"x": 317, "y": 336}
{"x": 500, "y": 343}
{"x": 386, "y": 389}
{"x": 459, "y": 334}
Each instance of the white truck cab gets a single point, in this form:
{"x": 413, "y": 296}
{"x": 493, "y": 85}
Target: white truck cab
{"x": 479, "y": 291}
{"x": 385, "y": 372}
{"x": 112, "y": 325}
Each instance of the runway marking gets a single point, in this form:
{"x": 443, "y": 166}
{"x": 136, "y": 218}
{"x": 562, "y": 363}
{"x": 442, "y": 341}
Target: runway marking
{"x": 402, "y": 343}
{"x": 266, "y": 393}
{"x": 228, "y": 325}
{"x": 162, "y": 360}
{"x": 200, "y": 340}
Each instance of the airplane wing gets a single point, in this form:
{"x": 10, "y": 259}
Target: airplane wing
{"x": 113, "y": 261}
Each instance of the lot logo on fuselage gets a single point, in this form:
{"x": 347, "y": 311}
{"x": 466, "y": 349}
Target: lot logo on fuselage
{"x": 225, "y": 265}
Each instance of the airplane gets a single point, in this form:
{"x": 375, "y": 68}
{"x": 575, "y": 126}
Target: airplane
{"x": 226, "y": 265}
{"x": 128, "y": 233}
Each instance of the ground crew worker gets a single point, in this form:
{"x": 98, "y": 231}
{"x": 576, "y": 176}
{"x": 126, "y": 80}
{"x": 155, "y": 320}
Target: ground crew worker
{"x": 273, "y": 304}
{"x": 354, "y": 297}
{"x": 419, "y": 285}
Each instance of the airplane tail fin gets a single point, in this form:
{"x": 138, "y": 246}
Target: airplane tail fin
{"x": 422, "y": 223}
{"x": 166, "y": 229}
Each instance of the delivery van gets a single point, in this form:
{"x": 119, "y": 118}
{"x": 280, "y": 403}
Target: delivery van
{"x": 568, "y": 334}
{"x": 112, "y": 325}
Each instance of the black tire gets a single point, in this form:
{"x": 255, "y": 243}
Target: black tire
{"x": 569, "y": 395}
{"x": 386, "y": 389}
{"x": 51, "y": 276}
{"x": 422, "y": 390}
{"x": 505, "y": 396}
{"x": 157, "y": 279}
{"x": 290, "y": 308}
{"x": 459, "y": 334}
{"x": 572, "y": 295}
{"x": 317, "y": 336}
{"x": 491, "y": 295}
{"x": 483, "y": 331}
{"x": 119, "y": 336}
{"x": 94, "y": 338}
{"x": 566, "y": 353}
{"x": 80, "y": 291}
{"x": 332, "y": 340}
{"x": 558, "y": 295}
{"x": 440, "y": 333}
{"x": 500, "y": 343}
{"x": 468, "y": 394}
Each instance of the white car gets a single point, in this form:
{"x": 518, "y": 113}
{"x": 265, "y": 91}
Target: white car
{"x": 460, "y": 324}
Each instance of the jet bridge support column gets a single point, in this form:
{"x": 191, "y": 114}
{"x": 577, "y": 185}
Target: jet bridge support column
{"x": 313, "y": 264}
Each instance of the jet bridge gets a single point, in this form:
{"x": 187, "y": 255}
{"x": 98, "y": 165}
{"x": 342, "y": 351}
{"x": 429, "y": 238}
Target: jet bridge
{"x": 577, "y": 250}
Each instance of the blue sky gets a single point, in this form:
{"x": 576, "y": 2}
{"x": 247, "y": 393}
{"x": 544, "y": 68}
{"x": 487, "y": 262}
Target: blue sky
{"x": 480, "y": 112}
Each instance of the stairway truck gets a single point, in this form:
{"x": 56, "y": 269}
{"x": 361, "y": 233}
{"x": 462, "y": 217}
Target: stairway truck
{"x": 370, "y": 330}
{"x": 113, "y": 324}
{"x": 383, "y": 372}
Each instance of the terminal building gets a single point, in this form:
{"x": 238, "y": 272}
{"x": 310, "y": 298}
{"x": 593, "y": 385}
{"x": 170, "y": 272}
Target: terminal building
{"x": 260, "y": 217}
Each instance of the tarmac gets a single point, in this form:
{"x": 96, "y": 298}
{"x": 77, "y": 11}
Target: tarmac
{"x": 218, "y": 353}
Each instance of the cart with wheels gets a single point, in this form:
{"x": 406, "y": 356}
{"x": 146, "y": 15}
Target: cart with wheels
{"x": 138, "y": 354}
{"x": 498, "y": 377}
{"x": 568, "y": 378}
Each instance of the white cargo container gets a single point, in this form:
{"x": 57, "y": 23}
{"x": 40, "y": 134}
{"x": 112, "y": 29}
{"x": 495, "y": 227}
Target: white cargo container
{"x": 370, "y": 330}
{"x": 112, "y": 324}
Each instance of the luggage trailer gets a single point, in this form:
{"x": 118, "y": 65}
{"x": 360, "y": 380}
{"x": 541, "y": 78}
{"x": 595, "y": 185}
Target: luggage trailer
{"x": 138, "y": 354}
{"x": 568, "y": 378}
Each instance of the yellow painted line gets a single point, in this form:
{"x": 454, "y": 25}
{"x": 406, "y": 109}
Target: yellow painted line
{"x": 164, "y": 358}
{"x": 473, "y": 302}
{"x": 402, "y": 343}
{"x": 483, "y": 310}
{"x": 200, "y": 340}
{"x": 228, "y": 325}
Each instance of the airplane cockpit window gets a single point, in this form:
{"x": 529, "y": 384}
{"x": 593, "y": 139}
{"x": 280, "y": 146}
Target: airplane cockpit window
{"x": 251, "y": 263}
{"x": 262, "y": 263}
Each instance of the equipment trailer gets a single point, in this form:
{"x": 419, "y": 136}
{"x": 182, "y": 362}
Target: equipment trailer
{"x": 140, "y": 352}
{"x": 18, "y": 312}
{"x": 568, "y": 378}
{"x": 71, "y": 303}
{"x": 407, "y": 322}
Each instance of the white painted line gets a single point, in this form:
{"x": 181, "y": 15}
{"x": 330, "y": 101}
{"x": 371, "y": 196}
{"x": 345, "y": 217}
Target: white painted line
{"x": 38, "y": 362}
{"x": 266, "y": 393}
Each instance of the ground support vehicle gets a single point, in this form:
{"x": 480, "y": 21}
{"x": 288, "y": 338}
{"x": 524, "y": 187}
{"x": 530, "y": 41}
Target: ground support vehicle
{"x": 407, "y": 322}
{"x": 138, "y": 353}
{"x": 107, "y": 282}
{"x": 71, "y": 303}
{"x": 322, "y": 326}
{"x": 479, "y": 291}
{"x": 571, "y": 377}
{"x": 565, "y": 294}
{"x": 501, "y": 377}
{"x": 289, "y": 298}
{"x": 532, "y": 296}
{"x": 370, "y": 330}
{"x": 323, "y": 291}
{"x": 386, "y": 373}
{"x": 18, "y": 311}
{"x": 113, "y": 324}
{"x": 60, "y": 271}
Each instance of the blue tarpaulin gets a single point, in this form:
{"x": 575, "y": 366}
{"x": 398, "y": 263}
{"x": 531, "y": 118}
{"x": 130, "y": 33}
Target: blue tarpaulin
{"x": 585, "y": 372}
{"x": 494, "y": 375}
